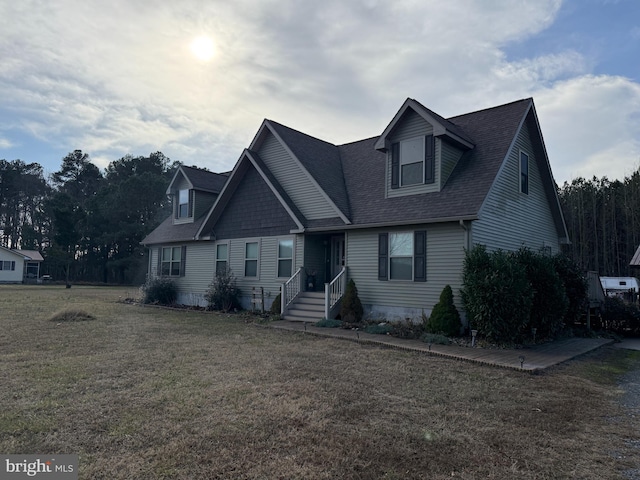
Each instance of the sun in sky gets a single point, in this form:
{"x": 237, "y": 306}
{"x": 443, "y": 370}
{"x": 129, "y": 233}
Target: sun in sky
{"x": 203, "y": 48}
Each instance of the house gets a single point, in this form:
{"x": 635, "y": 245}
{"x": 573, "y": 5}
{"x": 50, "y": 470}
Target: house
{"x": 395, "y": 213}
{"x": 18, "y": 266}
{"x": 635, "y": 260}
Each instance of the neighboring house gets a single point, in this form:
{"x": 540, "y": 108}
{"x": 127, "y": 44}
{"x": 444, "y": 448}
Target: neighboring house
{"x": 17, "y": 266}
{"x": 635, "y": 261}
{"x": 394, "y": 213}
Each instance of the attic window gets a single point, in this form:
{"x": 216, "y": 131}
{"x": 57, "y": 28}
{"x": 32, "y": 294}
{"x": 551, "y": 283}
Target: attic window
{"x": 524, "y": 173}
{"x": 413, "y": 162}
{"x": 183, "y": 203}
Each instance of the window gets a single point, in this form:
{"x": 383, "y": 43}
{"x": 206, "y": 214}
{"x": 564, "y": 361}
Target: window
{"x": 183, "y": 203}
{"x": 222, "y": 251}
{"x": 285, "y": 258}
{"x": 413, "y": 162}
{"x": 402, "y": 256}
{"x": 524, "y": 172}
{"x": 172, "y": 261}
{"x": 7, "y": 265}
{"x": 251, "y": 259}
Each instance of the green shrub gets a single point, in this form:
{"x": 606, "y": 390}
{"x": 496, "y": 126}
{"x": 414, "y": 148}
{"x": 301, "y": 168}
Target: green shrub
{"x": 435, "y": 338}
{"x": 275, "y": 306}
{"x": 351, "y": 310}
{"x": 549, "y": 302}
{"x": 496, "y": 294}
{"x": 223, "y": 293}
{"x": 328, "y": 323}
{"x": 161, "y": 290}
{"x": 575, "y": 287}
{"x": 379, "y": 329}
{"x": 620, "y": 316}
{"x": 445, "y": 318}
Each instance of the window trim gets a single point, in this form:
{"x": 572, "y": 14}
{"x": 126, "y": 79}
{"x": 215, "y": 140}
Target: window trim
{"x": 524, "y": 178}
{"x": 12, "y": 265}
{"x": 278, "y": 258}
{"x": 245, "y": 259}
{"x": 180, "y": 204}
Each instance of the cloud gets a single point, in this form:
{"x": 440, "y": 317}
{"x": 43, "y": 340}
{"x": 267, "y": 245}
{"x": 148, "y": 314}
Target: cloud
{"x": 5, "y": 143}
{"x": 117, "y": 77}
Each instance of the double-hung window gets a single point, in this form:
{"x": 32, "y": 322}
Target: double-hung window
{"x": 7, "y": 265}
{"x": 413, "y": 161}
{"x": 251, "y": 259}
{"x": 285, "y": 258}
{"x": 524, "y": 173}
{"x": 222, "y": 252}
{"x": 183, "y": 203}
{"x": 172, "y": 261}
{"x": 402, "y": 256}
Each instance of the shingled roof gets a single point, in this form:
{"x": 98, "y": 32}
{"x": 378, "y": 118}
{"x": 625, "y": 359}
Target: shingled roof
{"x": 205, "y": 180}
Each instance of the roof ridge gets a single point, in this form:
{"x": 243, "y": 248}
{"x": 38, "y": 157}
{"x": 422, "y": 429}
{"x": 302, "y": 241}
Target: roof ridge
{"x": 300, "y": 132}
{"x": 528, "y": 99}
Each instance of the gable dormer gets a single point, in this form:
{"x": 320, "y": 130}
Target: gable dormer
{"x": 193, "y": 192}
{"x": 422, "y": 150}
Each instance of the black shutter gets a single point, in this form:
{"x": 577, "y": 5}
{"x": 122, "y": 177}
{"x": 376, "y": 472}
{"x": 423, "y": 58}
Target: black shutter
{"x": 420, "y": 256}
{"x": 429, "y": 159}
{"x": 383, "y": 254}
{"x": 159, "y": 267}
{"x": 183, "y": 259}
{"x": 395, "y": 165}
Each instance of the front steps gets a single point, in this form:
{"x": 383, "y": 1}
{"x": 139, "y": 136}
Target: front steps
{"x": 307, "y": 307}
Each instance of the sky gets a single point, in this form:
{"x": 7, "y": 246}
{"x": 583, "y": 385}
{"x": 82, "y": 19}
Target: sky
{"x": 121, "y": 77}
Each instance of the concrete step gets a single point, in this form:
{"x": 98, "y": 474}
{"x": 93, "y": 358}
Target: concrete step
{"x": 308, "y": 315}
{"x": 294, "y": 318}
{"x": 313, "y": 307}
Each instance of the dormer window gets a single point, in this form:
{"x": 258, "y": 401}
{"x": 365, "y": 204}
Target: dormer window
{"x": 183, "y": 203}
{"x": 413, "y": 162}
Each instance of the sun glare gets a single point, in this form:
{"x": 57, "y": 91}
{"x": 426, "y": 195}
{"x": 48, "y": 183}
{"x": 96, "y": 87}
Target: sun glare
{"x": 203, "y": 48}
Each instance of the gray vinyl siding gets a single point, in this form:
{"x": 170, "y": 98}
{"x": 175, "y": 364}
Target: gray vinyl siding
{"x": 293, "y": 179}
{"x": 203, "y": 201}
{"x": 510, "y": 219}
{"x": 445, "y": 256}
{"x": 412, "y": 125}
{"x": 267, "y": 265}
{"x": 449, "y": 156}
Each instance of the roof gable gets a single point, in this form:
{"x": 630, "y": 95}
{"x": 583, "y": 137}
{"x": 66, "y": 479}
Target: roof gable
{"x": 318, "y": 160}
{"x": 198, "y": 179}
{"x": 441, "y": 126}
{"x": 247, "y": 160}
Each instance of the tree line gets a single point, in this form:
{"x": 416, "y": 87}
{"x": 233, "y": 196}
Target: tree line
{"x": 87, "y": 223}
{"x": 603, "y": 221}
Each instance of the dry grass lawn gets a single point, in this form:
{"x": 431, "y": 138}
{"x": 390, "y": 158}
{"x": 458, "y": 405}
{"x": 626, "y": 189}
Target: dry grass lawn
{"x": 148, "y": 393}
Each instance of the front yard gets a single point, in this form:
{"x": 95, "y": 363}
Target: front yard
{"x": 148, "y": 393}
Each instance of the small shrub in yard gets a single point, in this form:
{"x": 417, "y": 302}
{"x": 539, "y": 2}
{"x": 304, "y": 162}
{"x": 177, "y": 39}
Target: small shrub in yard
{"x": 223, "y": 294}
{"x": 435, "y": 338}
{"x": 379, "y": 329}
{"x": 328, "y": 323}
{"x": 351, "y": 310}
{"x": 275, "y": 306}
{"x": 445, "y": 318}
{"x": 161, "y": 290}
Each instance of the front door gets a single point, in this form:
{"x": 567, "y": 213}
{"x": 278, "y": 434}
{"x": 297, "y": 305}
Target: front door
{"x": 337, "y": 255}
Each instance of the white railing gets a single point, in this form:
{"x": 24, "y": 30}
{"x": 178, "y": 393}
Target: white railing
{"x": 290, "y": 290}
{"x": 334, "y": 291}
